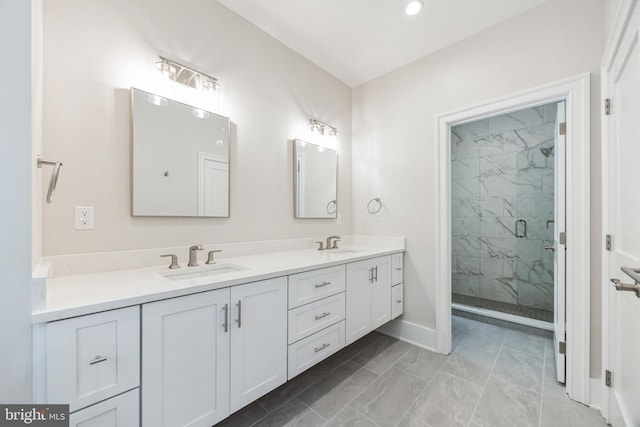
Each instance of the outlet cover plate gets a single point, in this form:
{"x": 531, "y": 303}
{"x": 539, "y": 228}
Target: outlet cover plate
{"x": 84, "y": 218}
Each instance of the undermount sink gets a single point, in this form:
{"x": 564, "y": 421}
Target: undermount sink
{"x": 197, "y": 272}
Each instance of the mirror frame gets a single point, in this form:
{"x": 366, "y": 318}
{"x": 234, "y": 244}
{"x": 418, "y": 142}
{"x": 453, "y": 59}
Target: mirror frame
{"x": 295, "y": 180}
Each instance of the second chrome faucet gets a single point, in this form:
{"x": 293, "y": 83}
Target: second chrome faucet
{"x": 329, "y": 244}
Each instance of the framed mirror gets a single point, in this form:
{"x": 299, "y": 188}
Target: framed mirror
{"x": 180, "y": 158}
{"x": 315, "y": 180}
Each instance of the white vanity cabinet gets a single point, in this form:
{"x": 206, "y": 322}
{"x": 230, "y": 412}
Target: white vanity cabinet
{"x": 368, "y": 296}
{"x": 397, "y": 287}
{"x": 207, "y": 355}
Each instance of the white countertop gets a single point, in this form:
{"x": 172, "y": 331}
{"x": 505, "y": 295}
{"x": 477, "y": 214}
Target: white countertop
{"x": 75, "y": 295}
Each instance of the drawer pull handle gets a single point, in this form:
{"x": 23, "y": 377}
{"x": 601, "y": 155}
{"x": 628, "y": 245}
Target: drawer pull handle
{"x": 399, "y": 268}
{"x": 398, "y": 300}
{"x": 322, "y": 347}
{"x": 320, "y": 285}
{"x": 98, "y": 359}
{"x": 323, "y": 315}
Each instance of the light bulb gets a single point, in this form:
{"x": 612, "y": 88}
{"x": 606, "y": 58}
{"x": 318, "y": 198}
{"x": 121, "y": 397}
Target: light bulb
{"x": 166, "y": 69}
{"x": 414, "y": 7}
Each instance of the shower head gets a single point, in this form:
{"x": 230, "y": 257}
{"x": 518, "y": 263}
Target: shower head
{"x": 546, "y": 151}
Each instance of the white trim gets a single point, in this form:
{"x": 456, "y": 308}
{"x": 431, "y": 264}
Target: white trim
{"x": 521, "y": 320}
{"x": 412, "y": 333}
{"x": 575, "y": 91}
{"x": 615, "y": 39}
{"x": 595, "y": 393}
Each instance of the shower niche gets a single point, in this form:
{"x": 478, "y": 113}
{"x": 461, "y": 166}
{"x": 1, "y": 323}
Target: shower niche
{"x": 502, "y": 212}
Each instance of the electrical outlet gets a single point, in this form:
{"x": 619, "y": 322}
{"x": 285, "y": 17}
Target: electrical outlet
{"x": 84, "y": 218}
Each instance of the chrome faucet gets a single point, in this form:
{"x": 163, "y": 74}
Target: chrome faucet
{"x": 335, "y": 242}
{"x": 193, "y": 255}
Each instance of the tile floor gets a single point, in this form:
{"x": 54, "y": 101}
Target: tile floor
{"x": 494, "y": 377}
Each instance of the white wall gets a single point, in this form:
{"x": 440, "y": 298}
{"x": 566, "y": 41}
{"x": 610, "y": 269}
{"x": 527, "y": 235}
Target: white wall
{"x": 95, "y": 51}
{"x": 394, "y": 147}
{"x": 15, "y": 191}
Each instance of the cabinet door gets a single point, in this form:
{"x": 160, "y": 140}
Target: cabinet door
{"x": 119, "y": 411}
{"x": 359, "y": 282}
{"x": 397, "y": 268}
{"x": 258, "y": 339}
{"x": 381, "y": 292}
{"x": 94, "y": 357}
{"x": 397, "y": 298}
{"x": 185, "y": 360}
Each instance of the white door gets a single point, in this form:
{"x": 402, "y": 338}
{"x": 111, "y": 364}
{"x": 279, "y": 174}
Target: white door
{"x": 560, "y": 253}
{"x": 258, "y": 339}
{"x": 359, "y": 282}
{"x": 381, "y": 292}
{"x": 621, "y": 210}
{"x": 185, "y": 360}
{"x": 213, "y": 185}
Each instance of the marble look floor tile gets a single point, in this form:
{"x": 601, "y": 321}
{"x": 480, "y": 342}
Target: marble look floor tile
{"x": 293, "y": 387}
{"x": 520, "y": 369}
{"x": 336, "y": 390}
{"x": 379, "y": 356}
{"x": 245, "y": 416}
{"x": 447, "y": 401}
{"x": 504, "y": 404}
{"x": 559, "y": 410}
{"x": 527, "y": 343}
{"x": 470, "y": 363}
{"x": 349, "y": 417}
{"x": 389, "y": 397}
{"x": 292, "y": 414}
{"x": 421, "y": 362}
{"x": 351, "y": 350}
{"x": 486, "y": 337}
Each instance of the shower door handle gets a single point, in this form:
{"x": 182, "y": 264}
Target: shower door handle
{"x": 524, "y": 228}
{"x": 550, "y": 248}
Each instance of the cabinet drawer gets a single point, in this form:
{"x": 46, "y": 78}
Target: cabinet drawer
{"x": 397, "y": 268}
{"x": 311, "y": 318}
{"x": 119, "y": 411}
{"x": 92, "y": 358}
{"x": 311, "y": 350}
{"x": 313, "y": 285}
{"x": 397, "y": 300}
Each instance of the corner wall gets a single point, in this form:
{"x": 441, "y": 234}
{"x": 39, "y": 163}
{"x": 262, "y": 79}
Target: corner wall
{"x": 95, "y": 51}
{"x": 394, "y": 130}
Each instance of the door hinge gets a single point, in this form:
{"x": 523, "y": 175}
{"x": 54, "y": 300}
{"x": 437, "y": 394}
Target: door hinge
{"x": 607, "y": 106}
{"x": 608, "y": 380}
{"x": 608, "y": 243}
{"x": 562, "y": 347}
{"x": 562, "y": 129}
{"x": 562, "y": 239}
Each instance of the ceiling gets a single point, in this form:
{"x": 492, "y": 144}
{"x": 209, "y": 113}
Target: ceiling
{"x": 359, "y": 40}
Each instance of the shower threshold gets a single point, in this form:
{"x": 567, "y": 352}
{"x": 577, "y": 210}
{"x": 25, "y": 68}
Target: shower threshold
{"x": 535, "y": 317}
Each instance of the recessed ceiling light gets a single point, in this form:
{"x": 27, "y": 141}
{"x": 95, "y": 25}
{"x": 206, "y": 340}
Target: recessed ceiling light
{"x": 414, "y": 7}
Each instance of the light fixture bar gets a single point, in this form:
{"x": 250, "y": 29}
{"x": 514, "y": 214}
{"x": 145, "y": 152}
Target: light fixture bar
{"x": 319, "y": 126}
{"x": 186, "y": 75}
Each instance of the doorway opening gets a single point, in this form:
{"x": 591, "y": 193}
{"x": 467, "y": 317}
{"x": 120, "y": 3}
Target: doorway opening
{"x": 575, "y": 343}
{"x": 505, "y": 213}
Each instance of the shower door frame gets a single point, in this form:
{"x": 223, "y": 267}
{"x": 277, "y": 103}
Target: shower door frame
{"x": 575, "y": 92}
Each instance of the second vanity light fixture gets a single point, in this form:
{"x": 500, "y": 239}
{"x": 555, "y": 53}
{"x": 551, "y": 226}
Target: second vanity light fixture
{"x": 319, "y": 127}
{"x": 186, "y": 75}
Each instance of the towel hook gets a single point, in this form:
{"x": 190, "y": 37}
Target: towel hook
{"x": 53, "y": 181}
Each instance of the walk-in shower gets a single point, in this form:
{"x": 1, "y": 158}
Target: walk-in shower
{"x": 502, "y": 213}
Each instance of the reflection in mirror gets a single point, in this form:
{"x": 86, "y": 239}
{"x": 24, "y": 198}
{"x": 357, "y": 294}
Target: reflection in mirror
{"x": 315, "y": 180}
{"x": 180, "y": 159}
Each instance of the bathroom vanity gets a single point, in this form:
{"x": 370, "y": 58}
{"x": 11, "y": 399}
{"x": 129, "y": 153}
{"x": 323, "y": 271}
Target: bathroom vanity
{"x": 159, "y": 347}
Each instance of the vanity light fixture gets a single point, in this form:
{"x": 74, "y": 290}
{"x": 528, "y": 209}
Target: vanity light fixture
{"x": 413, "y": 7}
{"x": 187, "y": 76}
{"x": 318, "y": 127}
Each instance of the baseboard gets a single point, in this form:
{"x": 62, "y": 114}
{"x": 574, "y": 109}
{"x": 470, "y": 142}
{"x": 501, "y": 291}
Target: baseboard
{"x": 412, "y": 333}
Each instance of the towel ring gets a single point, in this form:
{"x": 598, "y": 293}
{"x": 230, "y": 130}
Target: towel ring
{"x": 53, "y": 181}
{"x": 335, "y": 207}
{"x": 371, "y": 206}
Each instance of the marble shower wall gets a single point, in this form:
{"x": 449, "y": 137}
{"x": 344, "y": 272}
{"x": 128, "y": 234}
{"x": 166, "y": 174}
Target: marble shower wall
{"x": 500, "y": 176}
